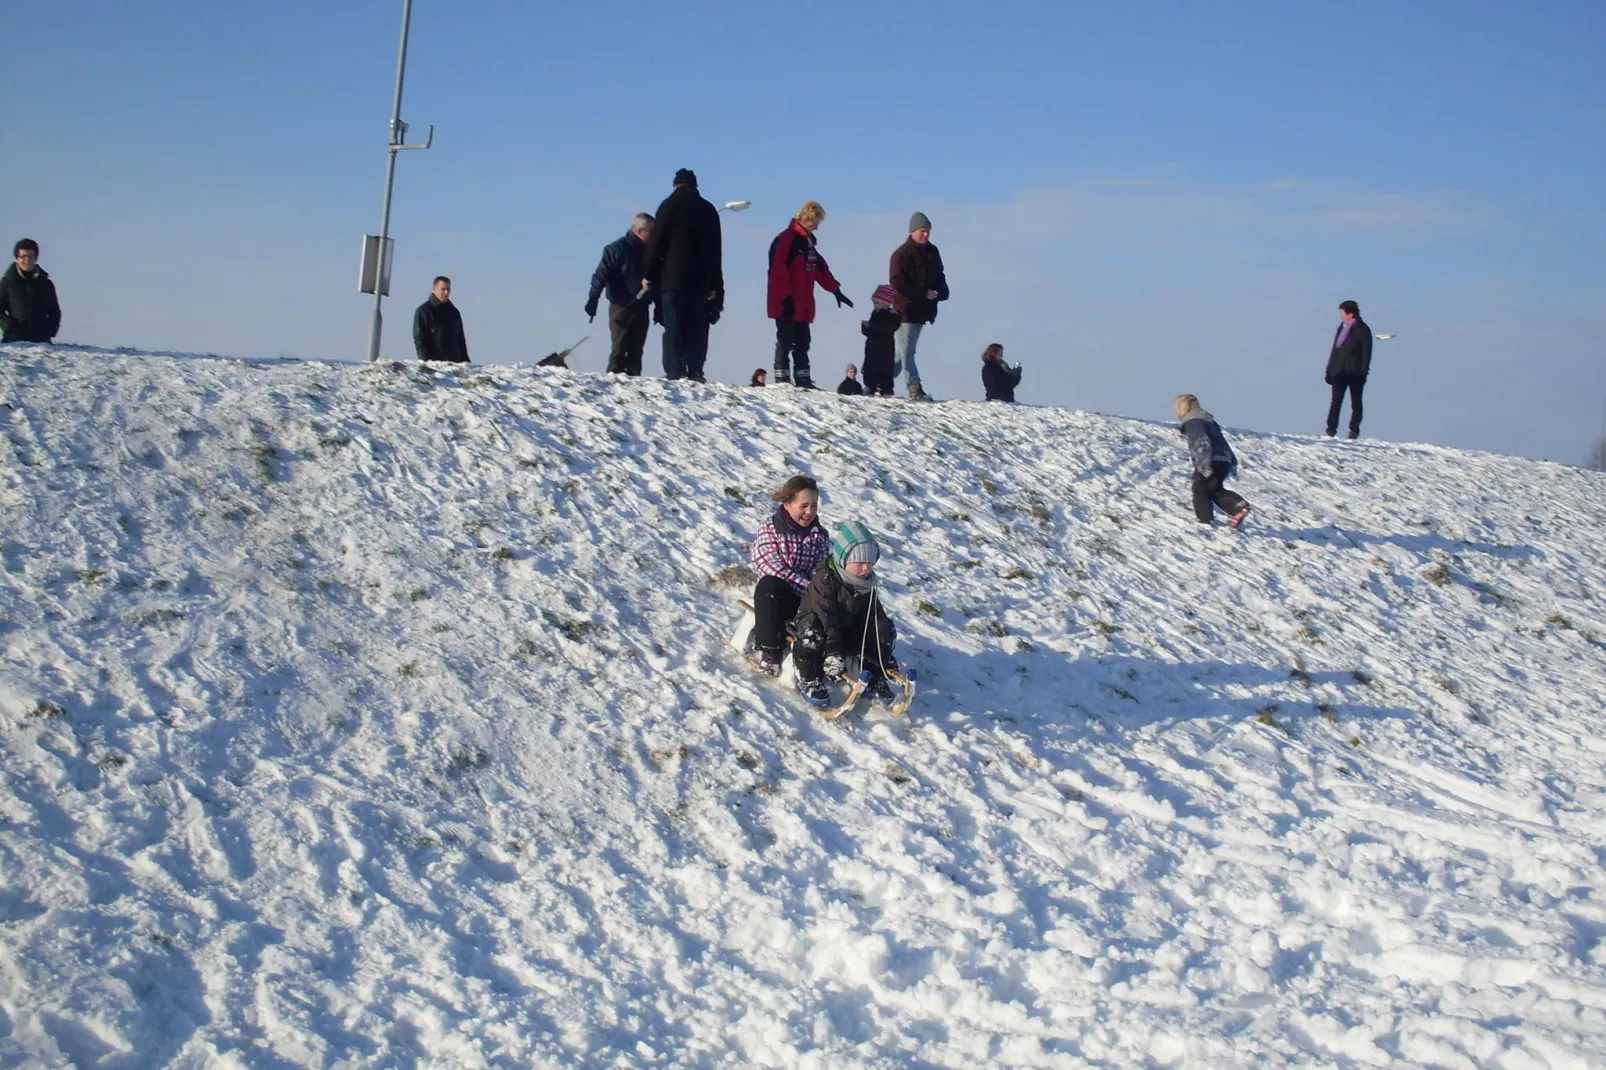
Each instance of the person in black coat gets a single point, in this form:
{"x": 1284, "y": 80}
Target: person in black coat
{"x": 850, "y": 383}
{"x": 841, "y": 616}
{"x": 998, "y": 378}
{"x": 621, "y": 273}
{"x": 920, "y": 282}
{"x": 1348, "y": 366}
{"x": 29, "y": 311}
{"x": 438, "y": 326}
{"x": 880, "y": 343}
{"x": 685, "y": 276}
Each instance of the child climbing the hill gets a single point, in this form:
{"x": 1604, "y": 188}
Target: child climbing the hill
{"x": 842, "y": 616}
{"x": 1213, "y": 463}
{"x": 880, "y": 342}
{"x": 787, "y": 549}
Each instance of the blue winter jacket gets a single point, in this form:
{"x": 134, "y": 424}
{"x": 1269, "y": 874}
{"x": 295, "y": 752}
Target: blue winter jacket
{"x": 622, "y": 268}
{"x": 1207, "y": 445}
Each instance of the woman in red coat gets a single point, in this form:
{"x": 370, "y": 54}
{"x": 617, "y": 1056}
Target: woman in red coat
{"x": 795, "y": 266}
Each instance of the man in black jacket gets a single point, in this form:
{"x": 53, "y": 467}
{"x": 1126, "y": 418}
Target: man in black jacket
{"x": 438, "y": 326}
{"x": 29, "y": 311}
{"x": 917, "y": 275}
{"x": 685, "y": 276}
{"x": 1347, "y": 367}
{"x": 621, "y": 273}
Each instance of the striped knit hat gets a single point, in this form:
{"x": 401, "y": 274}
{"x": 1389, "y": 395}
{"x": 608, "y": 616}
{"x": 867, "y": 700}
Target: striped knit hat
{"x": 885, "y": 294}
{"x": 854, "y": 543}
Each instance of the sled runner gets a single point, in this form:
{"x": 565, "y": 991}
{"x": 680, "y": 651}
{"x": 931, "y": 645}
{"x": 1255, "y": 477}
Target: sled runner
{"x": 905, "y": 681}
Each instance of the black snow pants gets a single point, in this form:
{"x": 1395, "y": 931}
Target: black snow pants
{"x": 1208, "y": 492}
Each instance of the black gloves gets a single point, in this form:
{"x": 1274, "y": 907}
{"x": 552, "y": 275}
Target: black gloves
{"x": 787, "y": 309}
{"x": 591, "y": 311}
{"x": 841, "y": 299}
{"x": 713, "y": 315}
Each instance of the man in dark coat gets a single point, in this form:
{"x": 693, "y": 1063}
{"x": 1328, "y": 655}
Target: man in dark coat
{"x": 29, "y": 311}
{"x": 997, "y": 377}
{"x": 621, "y": 273}
{"x": 1347, "y": 367}
{"x": 917, "y": 275}
{"x": 438, "y": 326}
{"x": 685, "y": 276}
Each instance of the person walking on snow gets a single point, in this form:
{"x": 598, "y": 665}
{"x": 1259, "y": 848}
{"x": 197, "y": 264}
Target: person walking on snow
{"x": 998, "y": 378}
{"x": 917, "y": 277}
{"x": 622, "y": 272}
{"x": 795, "y": 266}
{"x": 438, "y": 326}
{"x": 685, "y": 276}
{"x": 880, "y": 342}
{"x": 841, "y": 616}
{"x": 29, "y": 311}
{"x": 787, "y": 549}
{"x": 1347, "y": 367}
{"x": 850, "y": 383}
{"x": 1213, "y": 463}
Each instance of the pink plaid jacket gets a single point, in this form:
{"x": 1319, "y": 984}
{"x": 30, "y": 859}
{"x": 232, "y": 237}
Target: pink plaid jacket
{"x": 784, "y": 550}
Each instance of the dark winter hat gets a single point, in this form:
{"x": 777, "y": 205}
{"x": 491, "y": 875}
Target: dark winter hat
{"x": 686, "y": 177}
{"x": 919, "y": 221}
{"x": 855, "y": 543}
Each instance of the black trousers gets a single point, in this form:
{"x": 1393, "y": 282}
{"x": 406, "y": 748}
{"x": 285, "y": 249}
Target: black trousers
{"x": 1209, "y": 492}
{"x": 627, "y": 326}
{"x": 1354, "y": 386}
{"x": 685, "y": 316}
{"x": 793, "y": 338}
{"x": 878, "y": 378}
{"x": 774, "y": 606}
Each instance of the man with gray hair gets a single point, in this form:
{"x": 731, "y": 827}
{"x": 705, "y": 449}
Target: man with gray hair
{"x": 622, "y": 273}
{"x": 917, "y": 277}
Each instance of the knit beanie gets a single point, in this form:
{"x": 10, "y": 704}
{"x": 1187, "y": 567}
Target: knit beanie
{"x": 885, "y": 294}
{"x": 854, "y": 544}
{"x": 686, "y": 177}
{"x": 918, "y": 221}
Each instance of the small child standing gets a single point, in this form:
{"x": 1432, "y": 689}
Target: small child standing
{"x": 880, "y": 342}
{"x": 842, "y": 615}
{"x": 1213, "y": 463}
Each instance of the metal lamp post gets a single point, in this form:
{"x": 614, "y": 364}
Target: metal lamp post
{"x": 375, "y": 274}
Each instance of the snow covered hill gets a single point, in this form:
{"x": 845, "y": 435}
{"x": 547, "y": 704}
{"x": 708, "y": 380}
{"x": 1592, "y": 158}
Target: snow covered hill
{"x": 381, "y": 716}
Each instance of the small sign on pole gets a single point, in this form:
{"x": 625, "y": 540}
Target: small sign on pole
{"x": 375, "y": 269}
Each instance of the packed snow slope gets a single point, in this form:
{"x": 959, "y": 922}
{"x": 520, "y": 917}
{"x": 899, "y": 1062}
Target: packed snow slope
{"x": 382, "y": 716}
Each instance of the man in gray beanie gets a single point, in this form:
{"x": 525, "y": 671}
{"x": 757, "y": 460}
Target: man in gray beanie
{"x": 916, "y": 274}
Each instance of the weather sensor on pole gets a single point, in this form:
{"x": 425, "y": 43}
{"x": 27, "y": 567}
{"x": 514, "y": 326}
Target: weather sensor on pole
{"x": 377, "y": 250}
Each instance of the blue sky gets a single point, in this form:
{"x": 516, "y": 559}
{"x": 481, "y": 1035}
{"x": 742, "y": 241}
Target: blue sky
{"x": 1136, "y": 200}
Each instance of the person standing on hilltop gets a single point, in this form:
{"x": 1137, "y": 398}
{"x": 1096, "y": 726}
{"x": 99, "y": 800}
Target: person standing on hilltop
{"x": 795, "y": 266}
{"x": 880, "y": 343}
{"x": 685, "y": 276}
{"x": 919, "y": 282}
{"x": 438, "y": 326}
{"x": 29, "y": 311}
{"x": 621, "y": 272}
{"x": 1348, "y": 365}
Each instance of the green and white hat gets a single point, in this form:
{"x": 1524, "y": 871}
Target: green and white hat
{"x": 854, "y": 543}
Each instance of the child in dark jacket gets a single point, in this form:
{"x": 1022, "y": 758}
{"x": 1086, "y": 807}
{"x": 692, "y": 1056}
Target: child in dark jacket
{"x": 880, "y": 342}
{"x": 1213, "y": 463}
{"x": 842, "y": 616}
{"x": 998, "y": 378}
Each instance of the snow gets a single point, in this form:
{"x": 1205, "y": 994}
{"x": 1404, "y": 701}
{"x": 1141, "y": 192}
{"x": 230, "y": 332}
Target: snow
{"x": 382, "y": 715}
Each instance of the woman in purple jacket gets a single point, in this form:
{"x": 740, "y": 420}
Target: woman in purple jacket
{"x": 786, "y": 551}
